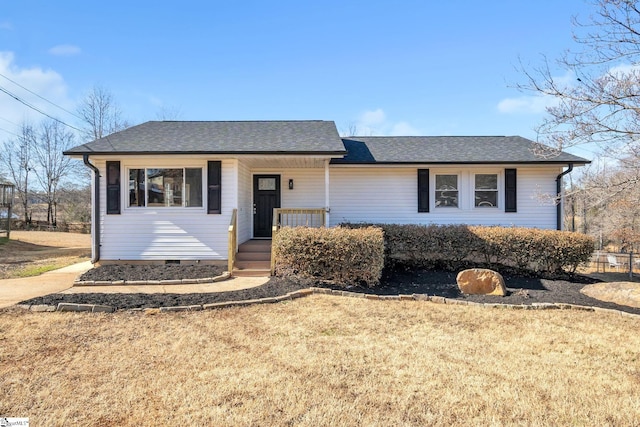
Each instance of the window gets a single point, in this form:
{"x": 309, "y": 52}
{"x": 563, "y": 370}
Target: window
{"x": 193, "y": 187}
{"x": 266, "y": 184}
{"x": 486, "y": 190}
{"x": 164, "y": 187}
{"x": 447, "y": 191}
{"x": 136, "y": 187}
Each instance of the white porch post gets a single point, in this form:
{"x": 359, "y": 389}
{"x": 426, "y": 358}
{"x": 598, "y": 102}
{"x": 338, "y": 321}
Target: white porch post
{"x": 326, "y": 192}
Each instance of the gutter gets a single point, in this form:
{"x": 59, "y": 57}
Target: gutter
{"x": 559, "y": 193}
{"x": 96, "y": 209}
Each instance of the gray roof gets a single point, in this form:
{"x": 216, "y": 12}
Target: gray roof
{"x": 233, "y": 137}
{"x": 317, "y": 137}
{"x": 449, "y": 150}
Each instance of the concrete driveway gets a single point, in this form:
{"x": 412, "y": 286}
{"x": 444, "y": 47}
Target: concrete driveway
{"x": 12, "y": 291}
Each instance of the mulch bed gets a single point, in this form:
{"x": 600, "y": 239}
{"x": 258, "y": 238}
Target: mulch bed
{"x": 522, "y": 289}
{"x": 114, "y": 272}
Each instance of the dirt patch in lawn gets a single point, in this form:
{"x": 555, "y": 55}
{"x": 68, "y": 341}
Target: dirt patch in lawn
{"x": 29, "y": 253}
{"x": 521, "y": 288}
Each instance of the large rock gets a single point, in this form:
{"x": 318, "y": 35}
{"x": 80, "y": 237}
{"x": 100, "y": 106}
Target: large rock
{"x": 481, "y": 281}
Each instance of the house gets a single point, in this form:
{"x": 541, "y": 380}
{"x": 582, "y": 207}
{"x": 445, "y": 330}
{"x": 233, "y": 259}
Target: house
{"x": 172, "y": 190}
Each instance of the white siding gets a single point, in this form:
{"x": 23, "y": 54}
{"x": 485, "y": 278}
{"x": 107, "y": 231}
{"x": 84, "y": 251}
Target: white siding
{"x": 168, "y": 233}
{"x": 308, "y": 188}
{"x": 389, "y": 195}
{"x": 245, "y": 205}
{"x": 357, "y": 194}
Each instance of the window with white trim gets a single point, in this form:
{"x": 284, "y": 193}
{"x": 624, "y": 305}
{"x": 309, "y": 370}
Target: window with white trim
{"x": 446, "y": 191}
{"x": 165, "y": 187}
{"x": 486, "y": 190}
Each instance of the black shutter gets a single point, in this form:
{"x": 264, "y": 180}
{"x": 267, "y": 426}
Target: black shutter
{"x": 113, "y": 188}
{"x": 423, "y": 190}
{"x": 214, "y": 193}
{"x": 510, "y": 190}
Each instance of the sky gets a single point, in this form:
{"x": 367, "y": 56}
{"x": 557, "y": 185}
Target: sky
{"x": 384, "y": 68}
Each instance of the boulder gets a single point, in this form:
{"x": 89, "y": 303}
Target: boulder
{"x": 481, "y": 281}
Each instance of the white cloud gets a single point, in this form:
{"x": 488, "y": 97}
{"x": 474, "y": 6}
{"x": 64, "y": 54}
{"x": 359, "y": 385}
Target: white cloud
{"x": 46, "y": 83}
{"x": 624, "y": 69}
{"x": 526, "y": 104}
{"x": 65, "y": 50}
{"x": 376, "y": 123}
{"x": 403, "y": 129}
{"x": 372, "y": 118}
{"x": 535, "y": 104}
{"x": 6, "y": 25}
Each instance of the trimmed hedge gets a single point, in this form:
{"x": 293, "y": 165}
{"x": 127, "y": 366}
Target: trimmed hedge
{"x": 342, "y": 255}
{"x": 450, "y": 245}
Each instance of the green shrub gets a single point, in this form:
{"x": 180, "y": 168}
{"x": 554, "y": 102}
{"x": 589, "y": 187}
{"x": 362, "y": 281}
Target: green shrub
{"x": 343, "y": 256}
{"x": 451, "y": 246}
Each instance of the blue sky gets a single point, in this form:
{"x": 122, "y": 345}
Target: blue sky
{"x": 389, "y": 68}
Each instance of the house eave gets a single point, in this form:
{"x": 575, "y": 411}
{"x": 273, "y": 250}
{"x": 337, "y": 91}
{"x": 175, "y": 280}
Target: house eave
{"x": 423, "y": 163}
{"x": 206, "y": 153}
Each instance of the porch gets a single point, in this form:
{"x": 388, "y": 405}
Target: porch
{"x": 254, "y": 257}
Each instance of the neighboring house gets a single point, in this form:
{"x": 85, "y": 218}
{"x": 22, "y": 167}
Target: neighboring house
{"x": 171, "y": 190}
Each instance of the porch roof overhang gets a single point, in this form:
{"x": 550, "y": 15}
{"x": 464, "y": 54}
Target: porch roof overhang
{"x": 253, "y": 161}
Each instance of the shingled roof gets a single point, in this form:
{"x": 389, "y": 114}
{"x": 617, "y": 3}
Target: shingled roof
{"x": 449, "y": 150}
{"x": 220, "y": 137}
{"x": 313, "y": 137}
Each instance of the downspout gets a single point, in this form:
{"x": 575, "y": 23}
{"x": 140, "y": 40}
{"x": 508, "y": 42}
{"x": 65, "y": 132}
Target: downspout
{"x": 559, "y": 193}
{"x": 96, "y": 208}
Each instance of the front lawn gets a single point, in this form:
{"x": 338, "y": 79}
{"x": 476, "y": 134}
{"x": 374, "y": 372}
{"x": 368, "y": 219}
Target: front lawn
{"x": 322, "y": 360}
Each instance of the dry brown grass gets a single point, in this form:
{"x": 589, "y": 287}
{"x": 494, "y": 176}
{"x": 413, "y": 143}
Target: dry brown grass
{"x": 322, "y": 360}
{"x": 30, "y": 253}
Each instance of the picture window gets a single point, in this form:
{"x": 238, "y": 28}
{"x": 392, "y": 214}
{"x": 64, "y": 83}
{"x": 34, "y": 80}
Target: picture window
{"x": 165, "y": 187}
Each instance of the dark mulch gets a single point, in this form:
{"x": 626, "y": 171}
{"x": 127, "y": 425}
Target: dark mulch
{"x": 114, "y": 272}
{"x": 522, "y": 289}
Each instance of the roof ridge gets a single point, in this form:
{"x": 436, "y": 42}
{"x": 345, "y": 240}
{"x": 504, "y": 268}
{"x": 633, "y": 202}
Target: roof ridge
{"x": 432, "y": 136}
{"x": 236, "y": 121}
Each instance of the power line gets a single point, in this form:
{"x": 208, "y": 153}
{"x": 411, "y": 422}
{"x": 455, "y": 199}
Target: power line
{"x": 22, "y": 101}
{"x": 9, "y": 121}
{"x": 9, "y": 132}
{"x": 41, "y": 97}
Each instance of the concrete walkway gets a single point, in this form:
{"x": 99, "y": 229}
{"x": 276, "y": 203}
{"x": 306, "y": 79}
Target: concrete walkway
{"x": 13, "y": 291}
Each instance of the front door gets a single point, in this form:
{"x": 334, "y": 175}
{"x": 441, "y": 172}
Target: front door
{"x": 266, "y": 197}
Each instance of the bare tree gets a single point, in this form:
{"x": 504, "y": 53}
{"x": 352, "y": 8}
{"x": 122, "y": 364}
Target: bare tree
{"x": 169, "y": 113}
{"x": 600, "y": 100}
{"x": 100, "y": 113}
{"x": 75, "y": 203}
{"x": 606, "y": 204}
{"x": 350, "y": 130}
{"x": 101, "y": 116}
{"x": 18, "y": 162}
{"x": 52, "y": 165}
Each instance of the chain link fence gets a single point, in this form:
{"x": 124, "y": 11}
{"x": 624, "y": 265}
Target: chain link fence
{"x": 615, "y": 262}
